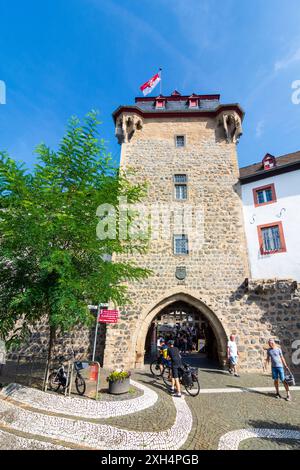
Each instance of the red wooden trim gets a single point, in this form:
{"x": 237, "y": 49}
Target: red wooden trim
{"x": 281, "y": 235}
{"x": 255, "y": 190}
{"x": 178, "y": 97}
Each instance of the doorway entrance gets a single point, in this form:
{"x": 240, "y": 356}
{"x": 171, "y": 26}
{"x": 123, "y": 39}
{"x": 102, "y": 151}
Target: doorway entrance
{"x": 187, "y": 326}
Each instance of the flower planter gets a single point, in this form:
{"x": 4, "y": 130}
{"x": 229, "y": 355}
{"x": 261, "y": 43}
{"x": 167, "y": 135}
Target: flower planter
{"x": 119, "y": 386}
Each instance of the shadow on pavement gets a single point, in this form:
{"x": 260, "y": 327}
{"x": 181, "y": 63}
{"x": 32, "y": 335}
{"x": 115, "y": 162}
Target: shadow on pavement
{"x": 250, "y": 390}
{"x": 294, "y": 444}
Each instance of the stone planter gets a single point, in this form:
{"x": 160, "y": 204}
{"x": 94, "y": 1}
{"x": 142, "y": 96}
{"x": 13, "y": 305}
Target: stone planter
{"x": 119, "y": 387}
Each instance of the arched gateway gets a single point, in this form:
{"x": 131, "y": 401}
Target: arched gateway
{"x": 184, "y": 305}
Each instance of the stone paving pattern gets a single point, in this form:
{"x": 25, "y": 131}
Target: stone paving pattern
{"x": 59, "y": 404}
{"x": 213, "y": 415}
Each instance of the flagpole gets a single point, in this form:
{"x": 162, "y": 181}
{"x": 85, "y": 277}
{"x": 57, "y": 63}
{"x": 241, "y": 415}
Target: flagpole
{"x": 160, "y": 83}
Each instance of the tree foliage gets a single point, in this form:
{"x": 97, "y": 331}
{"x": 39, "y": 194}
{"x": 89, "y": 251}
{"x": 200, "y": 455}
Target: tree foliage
{"x": 51, "y": 261}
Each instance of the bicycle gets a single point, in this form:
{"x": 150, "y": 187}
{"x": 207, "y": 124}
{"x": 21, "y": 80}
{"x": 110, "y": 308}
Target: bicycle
{"x": 155, "y": 367}
{"x": 59, "y": 379}
{"x": 188, "y": 377}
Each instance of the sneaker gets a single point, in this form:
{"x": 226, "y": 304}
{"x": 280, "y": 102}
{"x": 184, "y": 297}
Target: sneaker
{"x": 230, "y": 371}
{"x": 172, "y": 391}
{"x": 236, "y": 375}
{"x": 177, "y": 395}
{"x": 278, "y": 395}
{"x": 288, "y": 398}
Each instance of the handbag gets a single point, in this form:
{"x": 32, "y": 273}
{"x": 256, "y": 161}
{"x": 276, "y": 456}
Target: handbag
{"x": 289, "y": 378}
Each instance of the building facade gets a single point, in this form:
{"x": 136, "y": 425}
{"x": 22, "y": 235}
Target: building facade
{"x": 185, "y": 148}
{"x": 271, "y": 201}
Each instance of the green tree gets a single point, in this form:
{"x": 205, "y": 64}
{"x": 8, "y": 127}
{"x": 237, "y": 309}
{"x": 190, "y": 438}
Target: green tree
{"x": 51, "y": 261}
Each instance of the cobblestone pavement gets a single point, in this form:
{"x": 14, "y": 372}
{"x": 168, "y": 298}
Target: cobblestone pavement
{"x": 213, "y": 416}
{"x": 73, "y": 406}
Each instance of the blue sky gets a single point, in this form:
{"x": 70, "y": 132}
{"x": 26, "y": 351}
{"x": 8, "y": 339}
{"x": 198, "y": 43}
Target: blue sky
{"x": 65, "y": 57}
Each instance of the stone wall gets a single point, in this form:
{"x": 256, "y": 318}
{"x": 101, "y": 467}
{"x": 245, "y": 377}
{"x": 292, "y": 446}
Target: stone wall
{"x": 256, "y": 311}
{"x": 80, "y": 340}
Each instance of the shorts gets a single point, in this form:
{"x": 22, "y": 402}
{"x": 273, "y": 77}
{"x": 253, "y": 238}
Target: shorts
{"x": 233, "y": 360}
{"x": 166, "y": 362}
{"x": 278, "y": 373}
{"x": 175, "y": 371}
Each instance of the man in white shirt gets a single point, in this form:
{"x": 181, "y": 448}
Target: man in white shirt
{"x": 232, "y": 355}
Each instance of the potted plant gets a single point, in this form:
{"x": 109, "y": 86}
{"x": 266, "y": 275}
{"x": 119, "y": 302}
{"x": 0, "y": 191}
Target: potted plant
{"x": 118, "y": 382}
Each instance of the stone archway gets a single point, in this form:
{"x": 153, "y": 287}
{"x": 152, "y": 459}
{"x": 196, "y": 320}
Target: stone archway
{"x": 148, "y": 316}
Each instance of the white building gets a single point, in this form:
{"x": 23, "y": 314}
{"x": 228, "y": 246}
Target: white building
{"x": 271, "y": 204}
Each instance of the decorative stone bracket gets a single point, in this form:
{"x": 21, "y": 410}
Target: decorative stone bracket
{"x": 126, "y": 126}
{"x": 231, "y": 123}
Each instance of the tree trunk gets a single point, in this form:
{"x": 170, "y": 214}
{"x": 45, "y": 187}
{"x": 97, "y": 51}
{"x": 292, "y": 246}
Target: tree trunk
{"x": 51, "y": 342}
{"x": 50, "y": 348}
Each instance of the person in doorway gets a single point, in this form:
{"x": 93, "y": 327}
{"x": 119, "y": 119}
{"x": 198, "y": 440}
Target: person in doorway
{"x": 232, "y": 355}
{"x": 159, "y": 340}
{"x": 176, "y": 364}
{"x": 278, "y": 363}
{"x": 163, "y": 355}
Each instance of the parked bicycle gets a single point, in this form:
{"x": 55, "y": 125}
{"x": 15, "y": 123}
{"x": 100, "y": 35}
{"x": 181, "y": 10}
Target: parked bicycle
{"x": 188, "y": 377}
{"x": 59, "y": 378}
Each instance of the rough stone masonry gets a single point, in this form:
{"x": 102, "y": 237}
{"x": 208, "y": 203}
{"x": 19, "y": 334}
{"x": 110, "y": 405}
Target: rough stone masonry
{"x": 217, "y": 274}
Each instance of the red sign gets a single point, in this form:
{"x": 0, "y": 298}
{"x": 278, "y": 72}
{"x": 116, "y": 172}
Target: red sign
{"x": 94, "y": 373}
{"x": 108, "y": 316}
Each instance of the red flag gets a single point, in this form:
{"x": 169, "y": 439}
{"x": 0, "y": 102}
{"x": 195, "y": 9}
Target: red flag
{"x": 147, "y": 87}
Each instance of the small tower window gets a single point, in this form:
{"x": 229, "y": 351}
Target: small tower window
{"x": 181, "y": 245}
{"x": 160, "y": 102}
{"x": 193, "y": 101}
{"x": 180, "y": 182}
{"x": 180, "y": 140}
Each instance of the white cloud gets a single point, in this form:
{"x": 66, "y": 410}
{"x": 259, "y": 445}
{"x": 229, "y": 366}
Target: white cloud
{"x": 287, "y": 61}
{"x": 260, "y": 128}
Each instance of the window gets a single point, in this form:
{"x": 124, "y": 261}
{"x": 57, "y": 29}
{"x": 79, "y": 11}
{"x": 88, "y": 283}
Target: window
{"x": 181, "y": 245}
{"x": 160, "y": 104}
{"x": 193, "y": 103}
{"x": 180, "y": 182}
{"x": 264, "y": 195}
{"x": 271, "y": 238}
{"x": 180, "y": 141}
{"x": 269, "y": 162}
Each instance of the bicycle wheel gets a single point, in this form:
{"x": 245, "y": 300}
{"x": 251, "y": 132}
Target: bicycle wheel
{"x": 54, "y": 382}
{"x": 155, "y": 368}
{"x": 166, "y": 376}
{"x": 80, "y": 384}
{"x": 194, "y": 388}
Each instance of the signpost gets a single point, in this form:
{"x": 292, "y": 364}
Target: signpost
{"x": 108, "y": 316}
{"x": 104, "y": 316}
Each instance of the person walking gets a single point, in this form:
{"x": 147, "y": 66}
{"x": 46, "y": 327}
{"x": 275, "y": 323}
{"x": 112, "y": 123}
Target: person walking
{"x": 232, "y": 355}
{"x": 278, "y": 363}
{"x": 176, "y": 364}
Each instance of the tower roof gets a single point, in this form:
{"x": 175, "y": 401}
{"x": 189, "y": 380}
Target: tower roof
{"x": 176, "y": 105}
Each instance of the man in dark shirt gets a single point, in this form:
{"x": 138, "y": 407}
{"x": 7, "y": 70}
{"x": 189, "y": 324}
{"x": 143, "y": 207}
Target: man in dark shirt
{"x": 176, "y": 363}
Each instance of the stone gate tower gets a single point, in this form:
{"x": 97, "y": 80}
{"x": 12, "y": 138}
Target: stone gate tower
{"x": 185, "y": 148}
